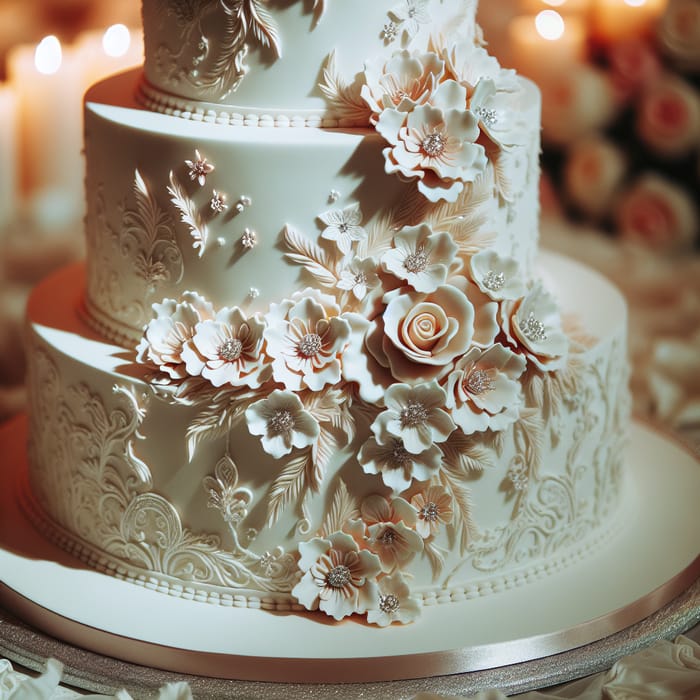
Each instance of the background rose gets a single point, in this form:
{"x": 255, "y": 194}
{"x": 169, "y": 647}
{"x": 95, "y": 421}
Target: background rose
{"x": 658, "y": 214}
{"x": 593, "y": 172}
{"x": 679, "y": 34}
{"x": 668, "y": 118}
{"x": 633, "y": 65}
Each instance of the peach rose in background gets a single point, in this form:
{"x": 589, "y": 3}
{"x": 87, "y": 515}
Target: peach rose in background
{"x": 593, "y": 172}
{"x": 679, "y": 34}
{"x": 658, "y": 214}
{"x": 576, "y": 103}
{"x": 668, "y": 117}
{"x": 633, "y": 65}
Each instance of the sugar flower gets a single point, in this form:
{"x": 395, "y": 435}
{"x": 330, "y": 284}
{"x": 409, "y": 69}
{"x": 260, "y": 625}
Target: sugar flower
{"x": 395, "y": 603}
{"x": 496, "y": 112}
{"x": 359, "y": 276}
{"x": 483, "y": 391}
{"x": 396, "y": 465}
{"x": 282, "y": 423}
{"x": 415, "y": 415}
{"x": 338, "y": 578}
{"x": 199, "y": 168}
{"x": 485, "y": 322}
{"x": 419, "y": 335}
{"x": 406, "y": 80}
{"x": 533, "y": 325}
{"x": 468, "y": 64}
{"x": 166, "y": 335}
{"x": 306, "y": 337}
{"x": 435, "y": 144}
{"x": 497, "y": 276}
{"x": 228, "y": 350}
{"x": 434, "y": 508}
{"x": 410, "y": 14}
{"x": 343, "y": 226}
{"x": 420, "y": 257}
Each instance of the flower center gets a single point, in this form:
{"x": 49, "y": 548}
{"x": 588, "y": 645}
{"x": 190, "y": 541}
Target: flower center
{"x": 230, "y": 350}
{"x": 478, "y": 382}
{"x": 389, "y": 603}
{"x": 400, "y": 455}
{"x": 416, "y": 262}
{"x": 360, "y": 278}
{"x": 338, "y": 576}
{"x": 388, "y": 537}
{"x": 487, "y": 116}
{"x": 281, "y": 422}
{"x": 434, "y": 144}
{"x": 533, "y": 329}
{"x": 343, "y": 227}
{"x": 494, "y": 281}
{"x": 430, "y": 512}
{"x": 415, "y": 413}
{"x": 310, "y": 345}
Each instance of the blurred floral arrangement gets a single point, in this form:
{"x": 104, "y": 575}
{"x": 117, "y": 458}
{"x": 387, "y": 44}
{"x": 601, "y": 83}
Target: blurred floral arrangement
{"x": 621, "y": 131}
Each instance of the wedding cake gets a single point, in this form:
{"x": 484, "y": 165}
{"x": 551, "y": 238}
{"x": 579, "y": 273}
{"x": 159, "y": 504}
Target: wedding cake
{"x": 314, "y": 360}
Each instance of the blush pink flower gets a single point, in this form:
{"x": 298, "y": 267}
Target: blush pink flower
{"x": 166, "y": 336}
{"x": 633, "y": 65}
{"x": 435, "y": 144}
{"x": 434, "y": 509}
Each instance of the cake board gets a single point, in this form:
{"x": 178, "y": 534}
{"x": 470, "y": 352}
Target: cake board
{"x": 642, "y": 579}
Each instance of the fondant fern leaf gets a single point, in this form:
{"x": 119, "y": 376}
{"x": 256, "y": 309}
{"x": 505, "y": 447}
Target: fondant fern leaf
{"x": 188, "y": 214}
{"x": 288, "y": 485}
{"x": 259, "y": 22}
{"x": 344, "y": 100}
{"x": 310, "y": 256}
{"x": 342, "y": 509}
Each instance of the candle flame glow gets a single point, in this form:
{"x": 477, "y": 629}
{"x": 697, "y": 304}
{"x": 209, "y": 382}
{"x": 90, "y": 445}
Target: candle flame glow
{"x": 48, "y": 55}
{"x": 549, "y": 25}
{"x": 635, "y": 3}
{"x": 116, "y": 40}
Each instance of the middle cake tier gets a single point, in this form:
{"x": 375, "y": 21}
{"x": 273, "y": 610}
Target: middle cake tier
{"x": 246, "y": 216}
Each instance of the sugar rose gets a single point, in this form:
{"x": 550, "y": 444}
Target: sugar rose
{"x": 657, "y": 213}
{"x": 668, "y": 117}
{"x": 593, "y": 172}
{"x": 679, "y": 34}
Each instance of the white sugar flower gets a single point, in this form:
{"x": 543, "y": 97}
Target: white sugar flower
{"x": 395, "y": 603}
{"x": 483, "y": 391}
{"x": 433, "y": 508}
{"x": 533, "y": 326}
{"x": 338, "y": 578}
{"x": 282, "y": 423}
{"x": 419, "y": 335}
{"x": 407, "y": 79}
{"x": 343, "y": 226}
{"x": 306, "y": 337}
{"x": 410, "y": 14}
{"x": 199, "y": 168}
{"x": 165, "y": 337}
{"x": 415, "y": 415}
{"x": 420, "y": 257}
{"x": 359, "y": 276}
{"x": 228, "y": 350}
{"x": 390, "y": 530}
{"x": 485, "y": 323}
{"x": 435, "y": 143}
{"x": 496, "y": 112}
{"x": 396, "y": 465}
{"x": 468, "y": 64}
{"x": 497, "y": 276}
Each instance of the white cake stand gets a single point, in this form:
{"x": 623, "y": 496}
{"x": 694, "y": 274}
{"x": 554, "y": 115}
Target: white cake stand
{"x": 642, "y": 579}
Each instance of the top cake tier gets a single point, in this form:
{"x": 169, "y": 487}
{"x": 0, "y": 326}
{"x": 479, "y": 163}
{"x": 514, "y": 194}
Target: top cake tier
{"x": 233, "y": 60}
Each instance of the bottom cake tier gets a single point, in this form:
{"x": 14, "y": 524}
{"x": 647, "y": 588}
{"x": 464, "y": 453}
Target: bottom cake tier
{"x": 120, "y": 477}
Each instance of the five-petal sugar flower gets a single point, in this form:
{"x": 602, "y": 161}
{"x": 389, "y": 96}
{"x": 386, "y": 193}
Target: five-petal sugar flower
{"x": 415, "y": 415}
{"x": 433, "y": 508}
{"x": 306, "y": 337}
{"x": 497, "y": 276}
{"x": 435, "y": 143}
{"x": 359, "y": 276}
{"x": 496, "y": 111}
{"x": 390, "y": 533}
{"x": 483, "y": 391}
{"x": 410, "y": 15}
{"x": 343, "y": 226}
{"x": 199, "y": 168}
{"x": 403, "y": 82}
{"x": 419, "y": 335}
{"x": 228, "y": 350}
{"x": 167, "y": 334}
{"x": 338, "y": 578}
{"x": 282, "y": 422}
{"x": 397, "y": 466}
{"x": 468, "y": 64}
{"x": 533, "y": 326}
{"x": 420, "y": 257}
{"x": 395, "y": 603}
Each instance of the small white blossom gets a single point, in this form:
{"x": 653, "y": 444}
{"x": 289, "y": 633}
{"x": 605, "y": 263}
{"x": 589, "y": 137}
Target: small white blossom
{"x": 395, "y": 603}
{"x": 343, "y": 226}
{"x": 359, "y": 276}
{"x": 199, "y": 168}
